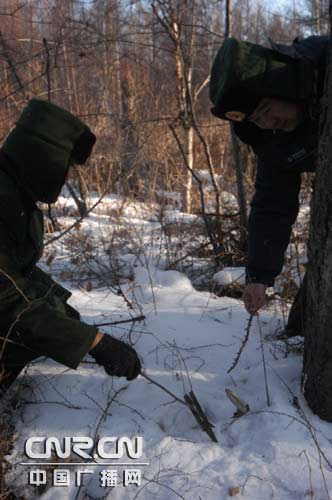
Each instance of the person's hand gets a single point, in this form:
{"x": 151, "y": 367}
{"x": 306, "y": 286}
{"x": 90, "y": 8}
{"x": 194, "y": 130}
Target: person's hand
{"x": 118, "y": 358}
{"x": 254, "y": 297}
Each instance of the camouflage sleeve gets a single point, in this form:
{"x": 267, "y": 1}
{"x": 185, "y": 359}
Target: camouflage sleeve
{"x": 274, "y": 209}
{"x": 38, "y": 312}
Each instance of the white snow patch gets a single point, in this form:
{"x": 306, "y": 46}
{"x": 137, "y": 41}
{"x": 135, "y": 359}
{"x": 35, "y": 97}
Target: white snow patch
{"x": 184, "y": 331}
{"x": 229, "y": 276}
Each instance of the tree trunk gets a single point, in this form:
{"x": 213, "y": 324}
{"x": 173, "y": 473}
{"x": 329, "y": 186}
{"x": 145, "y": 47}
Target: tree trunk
{"x": 189, "y": 150}
{"x": 228, "y": 20}
{"x": 184, "y": 38}
{"x": 130, "y": 178}
{"x": 241, "y": 198}
{"x": 317, "y": 362}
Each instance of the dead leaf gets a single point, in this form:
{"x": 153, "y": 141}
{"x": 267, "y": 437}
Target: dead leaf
{"x": 88, "y": 286}
{"x": 233, "y": 490}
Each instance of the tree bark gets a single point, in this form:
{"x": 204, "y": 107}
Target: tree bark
{"x": 241, "y": 196}
{"x": 189, "y": 149}
{"x": 317, "y": 362}
{"x": 178, "y": 21}
{"x": 229, "y": 24}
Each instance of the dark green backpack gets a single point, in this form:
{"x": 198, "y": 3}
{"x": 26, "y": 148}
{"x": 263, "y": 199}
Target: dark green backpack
{"x": 243, "y": 73}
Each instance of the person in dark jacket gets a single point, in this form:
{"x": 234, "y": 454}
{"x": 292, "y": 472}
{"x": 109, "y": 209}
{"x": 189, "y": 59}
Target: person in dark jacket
{"x": 35, "y": 319}
{"x": 273, "y": 98}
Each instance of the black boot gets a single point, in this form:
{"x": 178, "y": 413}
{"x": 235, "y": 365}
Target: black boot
{"x": 295, "y": 323}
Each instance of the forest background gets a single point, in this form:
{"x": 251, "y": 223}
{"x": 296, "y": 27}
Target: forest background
{"x": 137, "y": 72}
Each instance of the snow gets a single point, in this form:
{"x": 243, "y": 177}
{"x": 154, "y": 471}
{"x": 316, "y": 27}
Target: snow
{"x": 229, "y": 276}
{"x": 174, "y": 216}
{"x": 188, "y": 337}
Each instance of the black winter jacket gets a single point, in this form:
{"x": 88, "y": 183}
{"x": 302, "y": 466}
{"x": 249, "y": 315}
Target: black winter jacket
{"x": 282, "y": 156}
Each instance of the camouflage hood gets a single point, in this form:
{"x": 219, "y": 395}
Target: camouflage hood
{"x": 44, "y": 143}
{"x": 243, "y": 73}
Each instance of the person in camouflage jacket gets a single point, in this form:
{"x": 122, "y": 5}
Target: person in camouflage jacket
{"x": 272, "y": 96}
{"x": 35, "y": 319}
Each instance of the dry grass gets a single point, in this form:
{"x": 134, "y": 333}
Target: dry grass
{"x": 7, "y": 431}
{"x": 6, "y": 443}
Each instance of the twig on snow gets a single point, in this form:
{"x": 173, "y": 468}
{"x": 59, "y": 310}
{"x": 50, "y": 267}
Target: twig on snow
{"x": 244, "y": 343}
{"x": 264, "y": 364}
{"x": 311, "y": 491}
{"x": 191, "y": 402}
{"x": 131, "y": 320}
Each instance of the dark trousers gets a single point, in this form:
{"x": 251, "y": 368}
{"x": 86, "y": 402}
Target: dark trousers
{"x": 295, "y": 323}
{"x": 14, "y": 356}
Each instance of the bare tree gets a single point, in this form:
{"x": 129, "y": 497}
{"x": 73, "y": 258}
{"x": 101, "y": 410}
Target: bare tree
{"x": 317, "y": 364}
{"x": 236, "y": 150}
{"x": 177, "y": 19}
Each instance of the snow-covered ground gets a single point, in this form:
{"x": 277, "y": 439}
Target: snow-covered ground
{"x": 188, "y": 340}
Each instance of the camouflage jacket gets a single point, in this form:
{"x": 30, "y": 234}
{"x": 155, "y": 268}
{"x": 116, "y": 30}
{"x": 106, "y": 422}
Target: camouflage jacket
{"x": 281, "y": 158}
{"x": 32, "y": 305}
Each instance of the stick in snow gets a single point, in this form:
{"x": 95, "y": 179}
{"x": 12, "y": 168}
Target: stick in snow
{"x": 120, "y": 322}
{"x": 244, "y": 343}
{"x": 192, "y": 403}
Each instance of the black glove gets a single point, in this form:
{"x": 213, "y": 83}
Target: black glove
{"x": 117, "y": 358}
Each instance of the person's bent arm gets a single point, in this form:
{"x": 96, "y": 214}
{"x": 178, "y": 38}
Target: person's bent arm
{"x": 273, "y": 211}
{"x": 38, "y": 314}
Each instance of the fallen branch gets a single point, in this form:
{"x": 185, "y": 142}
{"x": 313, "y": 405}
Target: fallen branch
{"x": 200, "y": 415}
{"x": 120, "y": 322}
{"x": 191, "y": 402}
{"x": 163, "y": 388}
